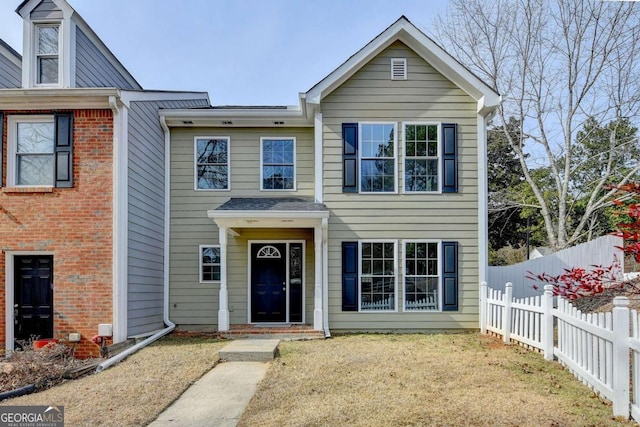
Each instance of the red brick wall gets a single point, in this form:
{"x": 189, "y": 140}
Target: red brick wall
{"x": 74, "y": 224}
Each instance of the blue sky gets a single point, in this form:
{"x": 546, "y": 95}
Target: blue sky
{"x": 243, "y": 52}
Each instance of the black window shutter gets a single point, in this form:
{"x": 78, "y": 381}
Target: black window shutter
{"x": 64, "y": 150}
{"x": 450, "y": 158}
{"x": 1, "y": 142}
{"x": 450, "y": 276}
{"x": 349, "y": 157}
{"x": 349, "y": 276}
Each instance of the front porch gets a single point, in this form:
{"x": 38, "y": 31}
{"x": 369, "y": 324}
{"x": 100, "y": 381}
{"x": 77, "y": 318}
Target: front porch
{"x": 275, "y": 263}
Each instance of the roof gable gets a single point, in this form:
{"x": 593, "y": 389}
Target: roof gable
{"x": 26, "y": 7}
{"x": 404, "y": 31}
{"x": 60, "y": 10}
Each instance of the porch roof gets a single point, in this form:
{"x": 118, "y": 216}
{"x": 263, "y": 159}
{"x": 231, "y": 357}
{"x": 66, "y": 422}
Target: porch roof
{"x": 269, "y": 212}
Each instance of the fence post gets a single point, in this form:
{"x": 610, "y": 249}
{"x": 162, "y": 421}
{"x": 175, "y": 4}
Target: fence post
{"x": 621, "y": 357}
{"x": 547, "y": 322}
{"x": 483, "y": 307}
{"x": 506, "y": 315}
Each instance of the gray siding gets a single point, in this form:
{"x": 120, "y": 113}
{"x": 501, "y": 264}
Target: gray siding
{"x": 10, "y": 73}
{"x": 146, "y": 214}
{"x": 93, "y": 69}
{"x": 194, "y": 303}
{"x": 46, "y": 10}
{"x": 426, "y": 95}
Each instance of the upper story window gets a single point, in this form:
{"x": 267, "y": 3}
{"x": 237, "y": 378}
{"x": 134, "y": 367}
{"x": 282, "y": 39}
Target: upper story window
{"x": 377, "y": 157}
{"x": 47, "y": 54}
{"x": 421, "y": 158}
{"x": 212, "y": 163}
{"x": 370, "y": 158}
{"x": 31, "y": 149}
{"x": 278, "y": 164}
{"x": 40, "y": 150}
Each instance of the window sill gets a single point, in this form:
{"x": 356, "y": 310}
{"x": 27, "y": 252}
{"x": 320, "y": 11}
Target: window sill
{"x": 23, "y": 190}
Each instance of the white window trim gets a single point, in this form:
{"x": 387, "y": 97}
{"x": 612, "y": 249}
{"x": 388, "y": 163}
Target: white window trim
{"x": 403, "y": 61}
{"x": 395, "y": 157}
{"x": 404, "y": 157}
{"x": 195, "y": 163}
{"x": 295, "y": 169}
{"x": 395, "y": 274}
{"x": 404, "y": 274}
{"x": 200, "y": 264}
{"x": 12, "y": 146}
{"x": 34, "y": 54}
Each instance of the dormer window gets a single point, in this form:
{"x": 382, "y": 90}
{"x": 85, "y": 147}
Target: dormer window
{"x": 47, "y": 50}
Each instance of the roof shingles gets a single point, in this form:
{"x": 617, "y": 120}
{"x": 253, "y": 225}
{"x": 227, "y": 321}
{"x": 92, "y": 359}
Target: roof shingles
{"x": 272, "y": 204}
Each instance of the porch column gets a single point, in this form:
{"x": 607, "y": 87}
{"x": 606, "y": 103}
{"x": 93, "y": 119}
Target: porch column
{"x": 317, "y": 295}
{"x": 223, "y": 304}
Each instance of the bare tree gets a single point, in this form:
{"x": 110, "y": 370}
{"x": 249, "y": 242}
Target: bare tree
{"x": 556, "y": 63}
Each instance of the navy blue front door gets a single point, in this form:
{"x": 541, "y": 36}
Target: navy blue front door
{"x": 33, "y": 297}
{"x": 269, "y": 282}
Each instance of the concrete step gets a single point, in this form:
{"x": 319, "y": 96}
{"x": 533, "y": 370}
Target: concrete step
{"x": 250, "y": 350}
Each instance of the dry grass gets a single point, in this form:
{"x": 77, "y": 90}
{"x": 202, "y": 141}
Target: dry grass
{"x": 399, "y": 380}
{"x": 44, "y": 367}
{"x": 134, "y": 392}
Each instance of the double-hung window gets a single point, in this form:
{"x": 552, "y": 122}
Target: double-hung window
{"x": 377, "y": 157}
{"x": 421, "y": 276}
{"x": 429, "y": 156}
{"x": 31, "y": 160}
{"x": 209, "y": 264}
{"x": 378, "y": 276}
{"x": 212, "y": 163}
{"x": 421, "y": 157}
{"x": 278, "y": 164}
{"x": 47, "y": 54}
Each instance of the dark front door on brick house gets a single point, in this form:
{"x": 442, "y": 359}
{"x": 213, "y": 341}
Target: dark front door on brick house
{"x": 33, "y": 297}
{"x": 268, "y": 282}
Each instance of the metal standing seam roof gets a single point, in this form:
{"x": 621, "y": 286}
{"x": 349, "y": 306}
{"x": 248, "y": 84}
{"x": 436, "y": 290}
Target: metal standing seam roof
{"x": 291, "y": 204}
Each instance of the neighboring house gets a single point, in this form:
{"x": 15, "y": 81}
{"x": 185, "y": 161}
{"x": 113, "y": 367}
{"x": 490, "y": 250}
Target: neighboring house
{"x": 363, "y": 208}
{"x": 82, "y": 186}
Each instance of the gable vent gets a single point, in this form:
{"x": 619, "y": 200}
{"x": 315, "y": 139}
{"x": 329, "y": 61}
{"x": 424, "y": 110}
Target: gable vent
{"x": 398, "y": 69}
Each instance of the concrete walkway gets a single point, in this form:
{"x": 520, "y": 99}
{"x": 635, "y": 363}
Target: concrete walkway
{"x": 219, "y": 398}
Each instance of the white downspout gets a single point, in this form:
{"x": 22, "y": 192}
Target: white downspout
{"x": 170, "y": 325}
{"x": 325, "y": 276}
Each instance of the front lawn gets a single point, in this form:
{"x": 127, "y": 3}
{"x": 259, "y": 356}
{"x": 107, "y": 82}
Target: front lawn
{"x": 442, "y": 380}
{"x": 135, "y": 391}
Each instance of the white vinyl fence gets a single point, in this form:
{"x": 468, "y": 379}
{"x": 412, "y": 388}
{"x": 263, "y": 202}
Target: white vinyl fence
{"x": 594, "y": 347}
{"x": 600, "y": 251}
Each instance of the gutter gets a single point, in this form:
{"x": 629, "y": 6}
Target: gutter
{"x": 170, "y": 326}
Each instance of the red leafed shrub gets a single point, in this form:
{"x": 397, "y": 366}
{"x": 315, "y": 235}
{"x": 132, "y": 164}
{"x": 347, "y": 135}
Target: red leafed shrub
{"x": 578, "y": 282}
